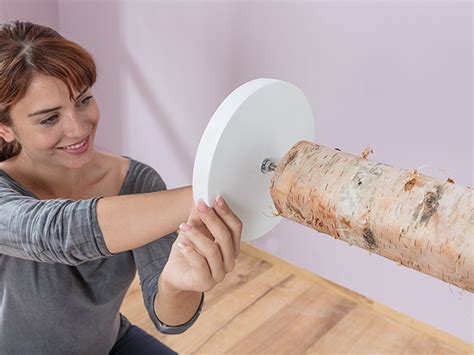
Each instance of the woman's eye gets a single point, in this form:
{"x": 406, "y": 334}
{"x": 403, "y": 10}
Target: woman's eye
{"x": 49, "y": 120}
{"x": 86, "y": 100}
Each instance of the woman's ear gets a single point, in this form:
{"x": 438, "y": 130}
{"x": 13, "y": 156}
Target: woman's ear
{"x": 6, "y": 133}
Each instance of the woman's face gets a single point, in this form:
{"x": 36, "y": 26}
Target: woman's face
{"x": 51, "y": 128}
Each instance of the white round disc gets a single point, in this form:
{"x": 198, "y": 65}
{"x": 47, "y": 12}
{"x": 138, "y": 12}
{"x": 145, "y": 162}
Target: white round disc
{"x": 261, "y": 119}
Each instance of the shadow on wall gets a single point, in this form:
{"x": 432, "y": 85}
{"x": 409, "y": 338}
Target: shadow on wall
{"x": 120, "y": 75}
{"x": 107, "y": 88}
{"x": 147, "y": 94}
{"x": 105, "y": 46}
{"x": 116, "y": 67}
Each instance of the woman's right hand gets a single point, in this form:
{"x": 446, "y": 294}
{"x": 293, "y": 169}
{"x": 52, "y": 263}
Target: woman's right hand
{"x": 203, "y": 253}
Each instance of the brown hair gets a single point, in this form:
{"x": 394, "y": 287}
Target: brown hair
{"x": 26, "y": 49}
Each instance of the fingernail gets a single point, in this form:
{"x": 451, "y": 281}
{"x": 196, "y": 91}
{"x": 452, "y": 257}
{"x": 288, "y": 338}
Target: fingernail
{"x": 181, "y": 245}
{"x": 220, "y": 201}
{"x": 201, "y": 206}
{"x": 185, "y": 227}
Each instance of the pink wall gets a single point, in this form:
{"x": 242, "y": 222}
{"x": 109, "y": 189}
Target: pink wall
{"x": 396, "y": 76}
{"x": 40, "y": 11}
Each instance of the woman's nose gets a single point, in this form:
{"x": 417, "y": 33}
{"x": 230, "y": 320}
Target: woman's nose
{"x": 75, "y": 126}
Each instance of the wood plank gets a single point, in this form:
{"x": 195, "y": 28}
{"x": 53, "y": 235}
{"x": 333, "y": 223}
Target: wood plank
{"x": 418, "y": 325}
{"x": 425, "y": 344}
{"x": 307, "y": 275}
{"x": 254, "y": 316}
{"x": 270, "y": 306}
{"x": 246, "y": 268}
{"x": 298, "y": 325}
{"x": 366, "y": 331}
{"x": 227, "y": 308}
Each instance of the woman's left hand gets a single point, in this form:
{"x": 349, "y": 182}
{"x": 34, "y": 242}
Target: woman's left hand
{"x": 205, "y": 252}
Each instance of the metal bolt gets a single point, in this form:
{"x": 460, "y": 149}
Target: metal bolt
{"x": 267, "y": 166}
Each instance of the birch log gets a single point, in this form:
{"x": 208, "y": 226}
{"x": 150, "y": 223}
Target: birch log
{"x": 413, "y": 219}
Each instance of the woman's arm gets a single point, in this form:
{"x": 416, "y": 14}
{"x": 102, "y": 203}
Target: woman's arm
{"x": 131, "y": 221}
{"x": 204, "y": 252}
{"x": 176, "y": 307}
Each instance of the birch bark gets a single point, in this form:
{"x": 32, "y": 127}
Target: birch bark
{"x": 416, "y": 220}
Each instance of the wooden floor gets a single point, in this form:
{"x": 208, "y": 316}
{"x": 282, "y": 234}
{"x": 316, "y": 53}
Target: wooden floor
{"x": 267, "y": 306}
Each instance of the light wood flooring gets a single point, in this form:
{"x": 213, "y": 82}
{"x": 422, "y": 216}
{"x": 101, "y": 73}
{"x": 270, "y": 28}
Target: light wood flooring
{"x": 267, "y": 306}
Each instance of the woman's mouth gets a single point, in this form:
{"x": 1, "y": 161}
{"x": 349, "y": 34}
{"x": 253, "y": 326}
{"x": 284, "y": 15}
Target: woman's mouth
{"x": 77, "y": 148}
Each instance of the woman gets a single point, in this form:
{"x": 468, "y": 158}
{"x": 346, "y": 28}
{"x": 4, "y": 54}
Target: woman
{"x": 76, "y": 222}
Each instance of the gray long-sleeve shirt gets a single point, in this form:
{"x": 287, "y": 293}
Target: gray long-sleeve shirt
{"x": 60, "y": 287}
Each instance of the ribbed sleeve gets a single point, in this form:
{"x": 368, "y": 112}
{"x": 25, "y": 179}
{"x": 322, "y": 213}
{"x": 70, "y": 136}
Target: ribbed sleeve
{"x": 152, "y": 258}
{"x": 52, "y": 231}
